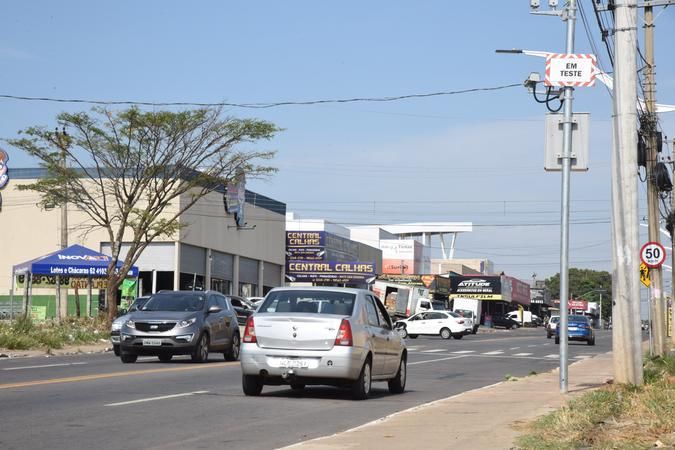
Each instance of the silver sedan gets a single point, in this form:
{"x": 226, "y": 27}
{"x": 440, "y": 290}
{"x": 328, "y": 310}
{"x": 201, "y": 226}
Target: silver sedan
{"x": 320, "y": 335}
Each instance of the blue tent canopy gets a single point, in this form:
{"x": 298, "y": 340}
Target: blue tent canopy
{"x": 72, "y": 261}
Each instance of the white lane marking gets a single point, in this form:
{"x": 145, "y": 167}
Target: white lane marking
{"x": 436, "y": 350}
{"x": 514, "y": 348}
{"x": 147, "y": 358}
{"x": 523, "y": 354}
{"x": 531, "y": 345}
{"x": 152, "y": 399}
{"x": 583, "y": 356}
{"x": 463, "y": 351}
{"x": 415, "y": 348}
{"x": 434, "y": 360}
{"x": 46, "y": 365}
{"x": 554, "y": 355}
{"x": 496, "y": 352}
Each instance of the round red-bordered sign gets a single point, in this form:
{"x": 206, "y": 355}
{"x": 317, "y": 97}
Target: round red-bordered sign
{"x": 653, "y": 254}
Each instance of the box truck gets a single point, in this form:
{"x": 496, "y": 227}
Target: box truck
{"x": 402, "y": 300}
{"x": 469, "y": 308}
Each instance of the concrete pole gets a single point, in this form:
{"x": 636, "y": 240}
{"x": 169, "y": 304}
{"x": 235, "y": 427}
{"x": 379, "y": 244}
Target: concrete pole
{"x": 627, "y": 351}
{"x": 656, "y": 288}
{"x": 672, "y": 257}
{"x": 565, "y": 203}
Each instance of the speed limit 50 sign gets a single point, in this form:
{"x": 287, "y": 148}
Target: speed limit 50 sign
{"x": 653, "y": 254}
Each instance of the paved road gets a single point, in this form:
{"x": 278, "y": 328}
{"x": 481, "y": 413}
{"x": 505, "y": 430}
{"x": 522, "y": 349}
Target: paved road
{"x": 94, "y": 401}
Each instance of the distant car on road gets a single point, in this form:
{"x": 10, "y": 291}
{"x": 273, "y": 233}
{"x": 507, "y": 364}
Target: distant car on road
{"x": 117, "y": 323}
{"x": 502, "y": 321}
{"x": 243, "y": 308}
{"x": 181, "y": 323}
{"x": 322, "y": 335}
{"x": 551, "y": 326}
{"x": 578, "y": 329}
{"x": 255, "y": 301}
{"x": 435, "y": 323}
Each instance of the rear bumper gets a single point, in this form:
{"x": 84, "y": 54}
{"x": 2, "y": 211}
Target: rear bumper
{"x": 320, "y": 367}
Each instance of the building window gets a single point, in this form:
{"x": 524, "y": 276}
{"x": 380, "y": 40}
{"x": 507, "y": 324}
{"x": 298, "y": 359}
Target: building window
{"x": 222, "y": 286}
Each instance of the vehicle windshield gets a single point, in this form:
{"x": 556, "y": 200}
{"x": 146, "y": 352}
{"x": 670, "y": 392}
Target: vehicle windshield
{"x": 175, "y": 301}
{"x": 577, "y": 319}
{"x": 555, "y": 319}
{"x": 309, "y": 301}
{"x": 138, "y": 303}
{"x": 453, "y": 314}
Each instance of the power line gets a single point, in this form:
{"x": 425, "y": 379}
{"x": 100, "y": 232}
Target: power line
{"x": 261, "y": 105}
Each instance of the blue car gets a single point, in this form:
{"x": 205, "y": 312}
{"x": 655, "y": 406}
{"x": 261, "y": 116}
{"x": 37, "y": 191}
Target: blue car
{"x": 578, "y": 329}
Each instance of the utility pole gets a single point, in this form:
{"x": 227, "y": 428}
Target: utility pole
{"x": 62, "y": 293}
{"x": 626, "y": 333}
{"x": 672, "y": 254}
{"x": 656, "y": 301}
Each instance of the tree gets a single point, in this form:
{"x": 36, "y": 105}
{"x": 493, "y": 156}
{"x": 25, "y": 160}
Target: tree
{"x": 586, "y": 283}
{"x": 128, "y": 170}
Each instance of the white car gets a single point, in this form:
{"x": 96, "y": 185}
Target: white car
{"x": 551, "y": 326}
{"x": 439, "y": 323}
{"x": 466, "y": 322}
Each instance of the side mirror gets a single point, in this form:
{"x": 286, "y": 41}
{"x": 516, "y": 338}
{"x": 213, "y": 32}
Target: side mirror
{"x": 214, "y": 309}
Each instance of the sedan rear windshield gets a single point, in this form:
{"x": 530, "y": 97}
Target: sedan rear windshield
{"x": 175, "y": 302}
{"x": 308, "y": 301}
{"x": 577, "y": 319}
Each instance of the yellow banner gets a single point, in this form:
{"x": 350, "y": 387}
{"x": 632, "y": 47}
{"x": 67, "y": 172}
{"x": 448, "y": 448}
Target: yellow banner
{"x": 478, "y": 296}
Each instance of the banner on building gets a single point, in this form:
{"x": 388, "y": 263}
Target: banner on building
{"x": 49, "y": 281}
{"x": 329, "y": 271}
{"x": 435, "y": 283}
{"x": 482, "y": 288}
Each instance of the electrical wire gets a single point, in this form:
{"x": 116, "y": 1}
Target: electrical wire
{"x": 261, "y": 105}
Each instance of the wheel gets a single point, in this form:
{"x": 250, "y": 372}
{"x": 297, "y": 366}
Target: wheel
{"x": 402, "y": 331}
{"x": 475, "y": 329}
{"x": 297, "y": 386}
{"x": 591, "y": 341}
{"x": 445, "y": 333}
{"x": 165, "y": 358}
{"x": 361, "y": 387}
{"x": 548, "y": 335}
{"x": 116, "y": 350}
{"x": 128, "y": 358}
{"x": 252, "y": 385}
{"x": 412, "y": 336}
{"x": 557, "y": 340}
{"x": 233, "y": 353}
{"x": 397, "y": 384}
{"x": 458, "y": 335}
{"x": 201, "y": 351}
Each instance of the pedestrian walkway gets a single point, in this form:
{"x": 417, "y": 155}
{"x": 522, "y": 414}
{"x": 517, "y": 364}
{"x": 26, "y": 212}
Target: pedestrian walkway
{"x": 485, "y": 418}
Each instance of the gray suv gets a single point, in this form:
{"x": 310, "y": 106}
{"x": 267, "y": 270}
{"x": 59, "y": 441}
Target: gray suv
{"x": 181, "y": 323}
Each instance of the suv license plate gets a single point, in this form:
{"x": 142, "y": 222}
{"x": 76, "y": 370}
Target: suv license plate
{"x": 293, "y": 363}
{"x": 152, "y": 342}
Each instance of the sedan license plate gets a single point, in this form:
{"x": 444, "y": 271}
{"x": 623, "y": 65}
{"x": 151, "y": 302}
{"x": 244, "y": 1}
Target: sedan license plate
{"x": 293, "y": 363}
{"x": 572, "y": 328}
{"x": 152, "y": 342}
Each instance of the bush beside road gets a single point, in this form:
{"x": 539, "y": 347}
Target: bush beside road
{"x": 26, "y": 334}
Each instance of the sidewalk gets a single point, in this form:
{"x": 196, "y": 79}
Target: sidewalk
{"x": 67, "y": 350}
{"x": 480, "y": 419}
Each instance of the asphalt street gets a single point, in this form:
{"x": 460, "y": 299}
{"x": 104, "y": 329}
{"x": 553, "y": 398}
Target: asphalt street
{"x": 95, "y": 401}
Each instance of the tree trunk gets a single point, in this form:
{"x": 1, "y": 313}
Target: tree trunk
{"x": 111, "y": 299}
{"x": 77, "y": 301}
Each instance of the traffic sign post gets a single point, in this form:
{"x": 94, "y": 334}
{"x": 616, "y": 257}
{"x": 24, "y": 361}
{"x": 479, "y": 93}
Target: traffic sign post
{"x": 653, "y": 254}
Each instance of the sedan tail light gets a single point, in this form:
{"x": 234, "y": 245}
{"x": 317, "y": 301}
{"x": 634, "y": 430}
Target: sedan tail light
{"x": 249, "y": 331}
{"x": 344, "y": 334}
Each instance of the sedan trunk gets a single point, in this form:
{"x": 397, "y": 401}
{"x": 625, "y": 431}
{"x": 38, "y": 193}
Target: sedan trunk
{"x": 297, "y": 331}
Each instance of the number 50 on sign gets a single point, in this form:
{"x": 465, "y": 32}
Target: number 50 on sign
{"x": 653, "y": 254}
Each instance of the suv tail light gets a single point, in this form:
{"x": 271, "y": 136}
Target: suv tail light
{"x": 407, "y": 312}
{"x": 249, "y": 331}
{"x": 344, "y": 334}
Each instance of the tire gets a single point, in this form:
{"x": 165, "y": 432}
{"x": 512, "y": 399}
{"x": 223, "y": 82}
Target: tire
{"x": 165, "y": 358}
{"x": 557, "y": 340}
{"x": 201, "y": 351}
{"x": 233, "y": 353}
{"x": 445, "y": 333}
{"x": 116, "y": 350}
{"x": 128, "y": 358}
{"x": 402, "y": 331}
{"x": 458, "y": 336}
{"x": 412, "y": 336}
{"x": 297, "y": 386}
{"x": 548, "y": 335}
{"x": 591, "y": 341}
{"x": 475, "y": 329}
{"x": 251, "y": 385}
{"x": 397, "y": 384}
{"x": 362, "y": 385}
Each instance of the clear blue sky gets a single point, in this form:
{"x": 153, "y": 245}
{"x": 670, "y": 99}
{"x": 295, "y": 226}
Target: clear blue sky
{"x": 471, "y": 157}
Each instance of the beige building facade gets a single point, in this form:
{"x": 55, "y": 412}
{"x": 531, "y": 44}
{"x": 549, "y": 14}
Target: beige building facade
{"x": 209, "y": 251}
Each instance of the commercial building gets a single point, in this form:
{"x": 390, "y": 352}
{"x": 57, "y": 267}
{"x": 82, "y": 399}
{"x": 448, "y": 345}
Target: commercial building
{"x": 209, "y": 251}
{"x": 499, "y": 294}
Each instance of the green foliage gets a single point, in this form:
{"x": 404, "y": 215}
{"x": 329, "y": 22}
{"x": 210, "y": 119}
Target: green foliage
{"x": 586, "y": 283}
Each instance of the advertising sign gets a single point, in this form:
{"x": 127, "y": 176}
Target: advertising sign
{"x": 401, "y": 256}
{"x": 435, "y": 283}
{"x": 38, "y": 313}
{"x": 49, "y": 281}
{"x": 520, "y": 291}
{"x": 330, "y": 271}
{"x": 305, "y": 245}
{"x": 235, "y": 198}
{"x": 482, "y": 288}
